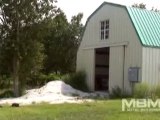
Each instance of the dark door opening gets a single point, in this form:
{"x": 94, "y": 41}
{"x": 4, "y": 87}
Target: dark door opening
{"x": 102, "y": 69}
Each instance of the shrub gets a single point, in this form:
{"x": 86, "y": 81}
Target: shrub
{"x": 118, "y": 93}
{"x": 36, "y": 80}
{"x": 41, "y": 79}
{"x": 53, "y": 76}
{"x": 141, "y": 90}
{"x": 155, "y": 92}
{"x": 7, "y": 94}
{"x": 5, "y": 82}
{"x": 76, "y": 80}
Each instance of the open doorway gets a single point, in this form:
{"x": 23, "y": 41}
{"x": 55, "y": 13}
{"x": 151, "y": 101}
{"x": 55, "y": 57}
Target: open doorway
{"x": 102, "y": 69}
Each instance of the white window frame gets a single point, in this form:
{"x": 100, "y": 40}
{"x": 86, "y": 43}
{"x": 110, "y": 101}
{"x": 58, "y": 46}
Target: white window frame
{"x": 104, "y": 30}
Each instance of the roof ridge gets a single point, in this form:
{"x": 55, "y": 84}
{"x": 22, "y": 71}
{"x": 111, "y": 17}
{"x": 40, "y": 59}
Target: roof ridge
{"x": 114, "y": 4}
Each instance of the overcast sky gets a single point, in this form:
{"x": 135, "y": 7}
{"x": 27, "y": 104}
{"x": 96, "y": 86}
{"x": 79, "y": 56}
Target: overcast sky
{"x": 73, "y": 7}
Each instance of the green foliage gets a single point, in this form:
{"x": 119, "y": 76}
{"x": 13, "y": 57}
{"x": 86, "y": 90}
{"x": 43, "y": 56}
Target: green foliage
{"x": 141, "y": 5}
{"x": 99, "y": 110}
{"x": 118, "y": 93}
{"x": 41, "y": 79}
{"x": 155, "y": 9}
{"x": 5, "y": 82}
{"x": 76, "y": 80}
{"x": 62, "y": 43}
{"x": 54, "y": 76}
{"x": 7, "y": 94}
{"x": 141, "y": 90}
{"x": 155, "y": 91}
{"x": 36, "y": 41}
{"x": 5, "y": 87}
{"x": 23, "y": 24}
{"x": 35, "y": 80}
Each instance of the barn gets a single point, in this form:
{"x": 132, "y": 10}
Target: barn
{"x": 120, "y": 47}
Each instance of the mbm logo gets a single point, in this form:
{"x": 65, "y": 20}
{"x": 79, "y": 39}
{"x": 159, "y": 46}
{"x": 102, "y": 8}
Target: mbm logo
{"x": 140, "y": 105}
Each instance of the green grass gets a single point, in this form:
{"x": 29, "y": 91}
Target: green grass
{"x": 100, "y": 110}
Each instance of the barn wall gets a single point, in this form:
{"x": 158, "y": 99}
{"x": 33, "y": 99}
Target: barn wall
{"x": 121, "y": 33}
{"x": 85, "y": 62}
{"x": 151, "y": 65}
{"x": 116, "y": 67}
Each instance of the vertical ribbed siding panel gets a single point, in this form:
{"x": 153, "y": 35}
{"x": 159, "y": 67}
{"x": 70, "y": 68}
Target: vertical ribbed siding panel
{"x": 151, "y": 66}
{"x": 90, "y": 67}
{"x": 85, "y": 62}
{"x": 116, "y": 67}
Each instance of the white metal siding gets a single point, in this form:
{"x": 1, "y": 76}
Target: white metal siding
{"x": 116, "y": 67}
{"x": 151, "y": 65}
{"x": 121, "y": 32}
{"x": 85, "y": 62}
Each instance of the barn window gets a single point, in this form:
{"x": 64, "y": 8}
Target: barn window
{"x": 104, "y": 32}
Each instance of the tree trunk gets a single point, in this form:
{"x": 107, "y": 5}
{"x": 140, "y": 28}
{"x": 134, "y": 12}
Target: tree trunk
{"x": 16, "y": 76}
{"x": 16, "y": 61}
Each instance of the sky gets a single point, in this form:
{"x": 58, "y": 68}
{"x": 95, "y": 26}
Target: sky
{"x": 87, "y": 7}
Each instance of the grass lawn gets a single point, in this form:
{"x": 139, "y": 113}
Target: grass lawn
{"x": 100, "y": 110}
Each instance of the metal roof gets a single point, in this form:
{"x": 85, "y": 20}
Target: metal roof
{"x": 145, "y": 22}
{"x": 147, "y": 25}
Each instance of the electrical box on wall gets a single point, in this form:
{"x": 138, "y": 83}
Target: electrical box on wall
{"x": 133, "y": 73}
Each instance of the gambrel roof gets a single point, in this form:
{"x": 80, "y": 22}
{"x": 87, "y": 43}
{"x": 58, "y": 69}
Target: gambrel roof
{"x": 147, "y": 25}
{"x": 145, "y": 22}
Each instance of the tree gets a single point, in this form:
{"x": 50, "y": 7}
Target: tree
{"x": 62, "y": 43}
{"x": 23, "y": 25}
{"x": 141, "y": 5}
{"x": 154, "y": 9}
{"x": 77, "y": 29}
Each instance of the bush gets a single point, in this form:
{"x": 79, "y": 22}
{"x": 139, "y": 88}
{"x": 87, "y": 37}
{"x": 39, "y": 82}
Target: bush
{"x": 41, "y": 79}
{"x": 5, "y": 82}
{"x": 7, "y": 94}
{"x": 155, "y": 92}
{"x": 141, "y": 90}
{"x": 118, "y": 93}
{"x": 76, "y": 80}
{"x": 53, "y": 76}
{"x": 36, "y": 80}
